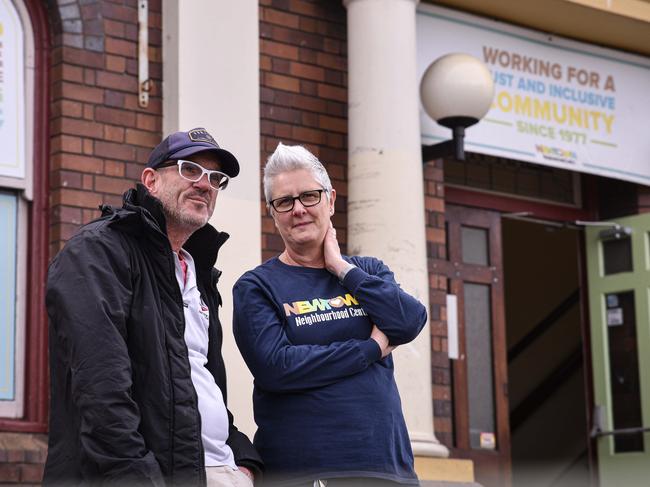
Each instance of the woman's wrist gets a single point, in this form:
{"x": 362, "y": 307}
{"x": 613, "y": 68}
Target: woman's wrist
{"x": 343, "y": 270}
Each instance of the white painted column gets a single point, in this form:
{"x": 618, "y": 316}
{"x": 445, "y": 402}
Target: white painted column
{"x": 211, "y": 80}
{"x": 385, "y": 185}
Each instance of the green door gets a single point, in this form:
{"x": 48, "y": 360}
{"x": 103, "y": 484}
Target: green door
{"x": 618, "y": 265}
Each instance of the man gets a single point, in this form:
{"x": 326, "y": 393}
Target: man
{"x": 138, "y": 385}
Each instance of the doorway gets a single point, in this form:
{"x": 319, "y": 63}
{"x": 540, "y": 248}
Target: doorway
{"x": 474, "y": 274}
{"x": 545, "y": 343}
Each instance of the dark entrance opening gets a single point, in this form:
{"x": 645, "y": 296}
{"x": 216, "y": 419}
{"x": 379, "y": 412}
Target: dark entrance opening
{"x": 546, "y": 377}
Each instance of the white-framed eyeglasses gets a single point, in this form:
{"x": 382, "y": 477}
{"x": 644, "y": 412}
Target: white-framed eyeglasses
{"x": 194, "y": 172}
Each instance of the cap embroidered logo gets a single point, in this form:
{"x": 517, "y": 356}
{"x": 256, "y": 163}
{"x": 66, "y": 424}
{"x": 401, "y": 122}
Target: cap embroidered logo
{"x": 201, "y": 135}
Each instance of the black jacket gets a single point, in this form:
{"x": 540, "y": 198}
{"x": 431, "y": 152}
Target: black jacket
{"x": 123, "y": 407}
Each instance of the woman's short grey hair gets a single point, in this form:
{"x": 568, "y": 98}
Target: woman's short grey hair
{"x": 288, "y": 158}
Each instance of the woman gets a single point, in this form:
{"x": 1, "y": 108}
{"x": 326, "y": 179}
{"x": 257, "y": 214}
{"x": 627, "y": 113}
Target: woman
{"x": 316, "y": 330}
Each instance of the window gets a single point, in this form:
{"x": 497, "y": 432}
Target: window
{"x": 16, "y": 194}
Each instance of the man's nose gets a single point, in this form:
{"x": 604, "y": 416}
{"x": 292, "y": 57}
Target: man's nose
{"x": 203, "y": 182}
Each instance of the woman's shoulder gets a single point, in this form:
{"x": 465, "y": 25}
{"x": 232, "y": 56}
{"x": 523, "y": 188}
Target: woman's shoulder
{"x": 274, "y": 271}
{"x": 261, "y": 272}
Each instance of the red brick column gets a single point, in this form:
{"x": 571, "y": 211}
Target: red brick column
{"x": 643, "y": 199}
{"x": 437, "y": 250}
{"x": 303, "y": 68}
{"x": 100, "y": 137}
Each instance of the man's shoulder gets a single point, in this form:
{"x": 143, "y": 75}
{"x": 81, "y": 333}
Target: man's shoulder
{"x": 99, "y": 228}
{"x": 100, "y": 234}
{"x": 96, "y": 247}
{"x": 95, "y": 231}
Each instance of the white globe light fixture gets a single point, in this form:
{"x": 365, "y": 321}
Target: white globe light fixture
{"x": 456, "y": 91}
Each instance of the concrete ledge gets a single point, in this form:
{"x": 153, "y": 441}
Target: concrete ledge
{"x": 442, "y": 470}
{"x": 434, "y": 483}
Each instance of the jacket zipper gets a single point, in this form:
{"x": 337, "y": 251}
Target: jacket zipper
{"x": 179, "y": 301}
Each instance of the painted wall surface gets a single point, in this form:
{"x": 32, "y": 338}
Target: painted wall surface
{"x": 557, "y": 102}
{"x": 211, "y": 80}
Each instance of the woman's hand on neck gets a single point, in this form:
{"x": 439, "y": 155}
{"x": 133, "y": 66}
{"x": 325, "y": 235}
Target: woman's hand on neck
{"x": 327, "y": 255}
{"x": 333, "y": 260}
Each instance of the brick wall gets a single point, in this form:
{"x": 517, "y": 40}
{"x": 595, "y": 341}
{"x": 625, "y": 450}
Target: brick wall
{"x": 21, "y": 458}
{"x": 100, "y": 138}
{"x": 437, "y": 250}
{"x": 99, "y": 141}
{"x": 303, "y": 67}
{"x": 643, "y": 199}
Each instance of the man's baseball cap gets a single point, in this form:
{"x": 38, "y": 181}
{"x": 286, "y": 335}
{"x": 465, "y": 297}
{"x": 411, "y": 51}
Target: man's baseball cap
{"x": 183, "y": 144}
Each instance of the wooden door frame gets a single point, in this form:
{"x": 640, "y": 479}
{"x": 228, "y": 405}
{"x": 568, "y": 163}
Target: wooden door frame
{"x": 492, "y": 275}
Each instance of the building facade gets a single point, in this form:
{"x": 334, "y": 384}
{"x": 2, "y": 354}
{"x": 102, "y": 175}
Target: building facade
{"x": 530, "y": 254}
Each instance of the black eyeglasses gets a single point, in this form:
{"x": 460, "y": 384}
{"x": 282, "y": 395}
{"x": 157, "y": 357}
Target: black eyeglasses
{"x": 194, "y": 172}
{"x": 306, "y": 198}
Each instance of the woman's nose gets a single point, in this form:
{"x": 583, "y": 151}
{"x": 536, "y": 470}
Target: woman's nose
{"x": 298, "y": 207}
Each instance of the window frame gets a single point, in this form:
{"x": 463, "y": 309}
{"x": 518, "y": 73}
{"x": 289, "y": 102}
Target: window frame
{"x": 33, "y": 247}
{"x": 15, "y": 408}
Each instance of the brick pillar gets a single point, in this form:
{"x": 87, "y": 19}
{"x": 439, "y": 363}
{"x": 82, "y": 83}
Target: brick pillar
{"x": 643, "y": 199}
{"x": 303, "y": 64}
{"x": 434, "y": 204}
{"x": 100, "y": 137}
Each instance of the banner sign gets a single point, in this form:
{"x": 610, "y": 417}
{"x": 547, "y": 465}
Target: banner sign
{"x": 12, "y": 93}
{"x": 557, "y": 102}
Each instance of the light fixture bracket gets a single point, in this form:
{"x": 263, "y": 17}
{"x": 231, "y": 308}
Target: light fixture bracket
{"x": 454, "y": 147}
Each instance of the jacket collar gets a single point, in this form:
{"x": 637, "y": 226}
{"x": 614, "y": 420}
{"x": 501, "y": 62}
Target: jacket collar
{"x": 144, "y": 214}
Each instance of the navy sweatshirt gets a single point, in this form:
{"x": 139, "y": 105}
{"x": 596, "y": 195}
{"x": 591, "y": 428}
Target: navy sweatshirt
{"x": 325, "y": 402}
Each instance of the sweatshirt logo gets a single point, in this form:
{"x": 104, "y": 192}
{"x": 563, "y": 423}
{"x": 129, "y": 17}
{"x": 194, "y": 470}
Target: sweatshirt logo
{"x": 319, "y": 304}
{"x": 324, "y": 310}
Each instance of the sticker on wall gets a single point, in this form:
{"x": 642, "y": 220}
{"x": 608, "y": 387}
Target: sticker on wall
{"x": 612, "y": 300}
{"x": 615, "y": 317}
{"x": 488, "y": 441}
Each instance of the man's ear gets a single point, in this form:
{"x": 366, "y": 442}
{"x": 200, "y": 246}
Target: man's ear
{"x": 148, "y": 178}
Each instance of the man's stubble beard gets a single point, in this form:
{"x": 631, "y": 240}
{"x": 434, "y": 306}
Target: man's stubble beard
{"x": 175, "y": 216}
